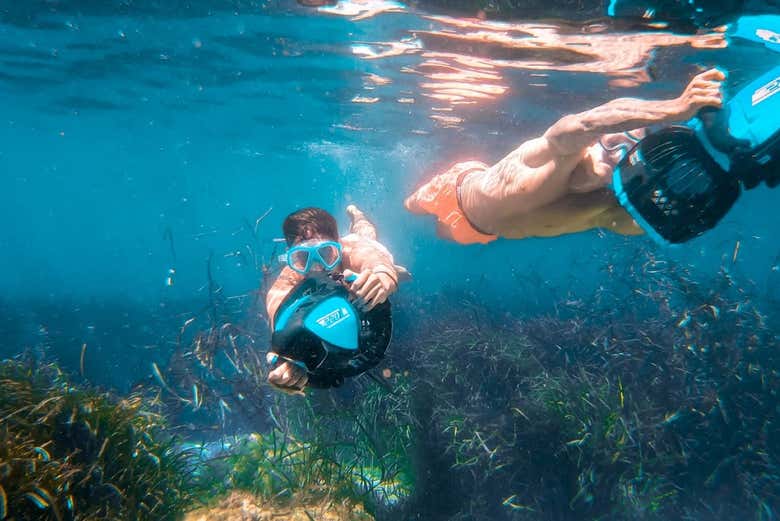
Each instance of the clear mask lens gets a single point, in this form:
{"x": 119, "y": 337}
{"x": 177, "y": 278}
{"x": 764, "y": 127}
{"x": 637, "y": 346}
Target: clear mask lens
{"x": 329, "y": 254}
{"x": 299, "y": 260}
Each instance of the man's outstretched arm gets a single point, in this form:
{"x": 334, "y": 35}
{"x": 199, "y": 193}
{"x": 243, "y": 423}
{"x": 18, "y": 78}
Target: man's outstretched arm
{"x": 573, "y": 133}
{"x": 282, "y": 286}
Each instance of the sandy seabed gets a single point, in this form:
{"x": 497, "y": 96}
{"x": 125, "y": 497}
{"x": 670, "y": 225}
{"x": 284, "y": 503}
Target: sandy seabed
{"x": 243, "y": 506}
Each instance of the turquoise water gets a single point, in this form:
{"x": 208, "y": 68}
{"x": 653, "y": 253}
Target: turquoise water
{"x": 139, "y": 139}
{"x": 121, "y": 127}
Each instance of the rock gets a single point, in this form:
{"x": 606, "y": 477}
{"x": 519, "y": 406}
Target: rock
{"x": 243, "y": 506}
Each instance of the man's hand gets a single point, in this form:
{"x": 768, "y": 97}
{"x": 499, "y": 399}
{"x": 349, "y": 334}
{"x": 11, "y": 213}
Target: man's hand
{"x": 704, "y": 90}
{"x": 287, "y": 377}
{"x": 371, "y": 288}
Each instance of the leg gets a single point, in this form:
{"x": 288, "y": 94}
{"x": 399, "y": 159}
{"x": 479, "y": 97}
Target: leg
{"x": 360, "y": 224}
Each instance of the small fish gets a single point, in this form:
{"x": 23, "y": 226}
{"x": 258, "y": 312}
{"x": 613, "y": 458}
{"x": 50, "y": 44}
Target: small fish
{"x": 69, "y": 503}
{"x": 736, "y": 252}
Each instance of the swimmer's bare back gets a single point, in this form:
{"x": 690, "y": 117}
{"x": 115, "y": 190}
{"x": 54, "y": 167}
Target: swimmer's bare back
{"x": 557, "y": 183}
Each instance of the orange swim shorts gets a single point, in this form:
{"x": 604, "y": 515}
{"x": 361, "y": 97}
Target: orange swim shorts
{"x": 440, "y": 197}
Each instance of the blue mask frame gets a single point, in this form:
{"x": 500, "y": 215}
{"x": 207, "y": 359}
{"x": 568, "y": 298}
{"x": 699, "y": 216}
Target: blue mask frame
{"x": 313, "y": 255}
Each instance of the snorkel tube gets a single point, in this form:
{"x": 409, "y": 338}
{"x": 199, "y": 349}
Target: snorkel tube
{"x": 319, "y": 329}
{"x": 679, "y": 182}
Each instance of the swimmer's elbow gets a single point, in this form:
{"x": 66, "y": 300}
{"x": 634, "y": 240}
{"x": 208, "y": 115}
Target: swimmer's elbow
{"x": 570, "y": 134}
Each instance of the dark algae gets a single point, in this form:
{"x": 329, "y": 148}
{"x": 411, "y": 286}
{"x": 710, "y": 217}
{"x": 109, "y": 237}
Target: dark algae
{"x": 654, "y": 399}
{"x": 73, "y": 453}
{"x": 657, "y": 404}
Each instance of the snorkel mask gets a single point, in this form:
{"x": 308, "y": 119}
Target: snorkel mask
{"x": 305, "y": 256}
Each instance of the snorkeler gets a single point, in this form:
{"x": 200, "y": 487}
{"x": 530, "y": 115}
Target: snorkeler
{"x": 319, "y": 336}
{"x": 557, "y": 183}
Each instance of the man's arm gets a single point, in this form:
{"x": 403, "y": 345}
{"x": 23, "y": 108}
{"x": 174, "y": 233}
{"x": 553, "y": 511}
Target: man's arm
{"x": 285, "y": 375}
{"x": 573, "y": 133}
{"x": 276, "y": 294}
{"x": 377, "y": 276}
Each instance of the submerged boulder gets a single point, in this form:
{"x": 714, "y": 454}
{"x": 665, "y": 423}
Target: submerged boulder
{"x": 244, "y": 506}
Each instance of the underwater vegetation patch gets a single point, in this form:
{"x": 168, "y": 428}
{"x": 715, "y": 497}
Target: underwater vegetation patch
{"x": 348, "y": 447}
{"x": 325, "y": 451}
{"x": 653, "y": 404}
{"x": 71, "y": 453}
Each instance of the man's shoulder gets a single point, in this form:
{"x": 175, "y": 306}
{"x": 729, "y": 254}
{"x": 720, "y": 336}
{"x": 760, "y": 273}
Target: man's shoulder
{"x": 348, "y": 239}
{"x": 352, "y": 240}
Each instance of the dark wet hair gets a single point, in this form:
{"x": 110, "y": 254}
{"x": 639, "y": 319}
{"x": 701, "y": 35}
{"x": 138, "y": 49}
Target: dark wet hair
{"x": 308, "y": 223}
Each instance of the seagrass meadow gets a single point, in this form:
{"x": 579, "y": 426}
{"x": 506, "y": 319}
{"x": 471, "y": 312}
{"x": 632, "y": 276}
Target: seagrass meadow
{"x": 655, "y": 401}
